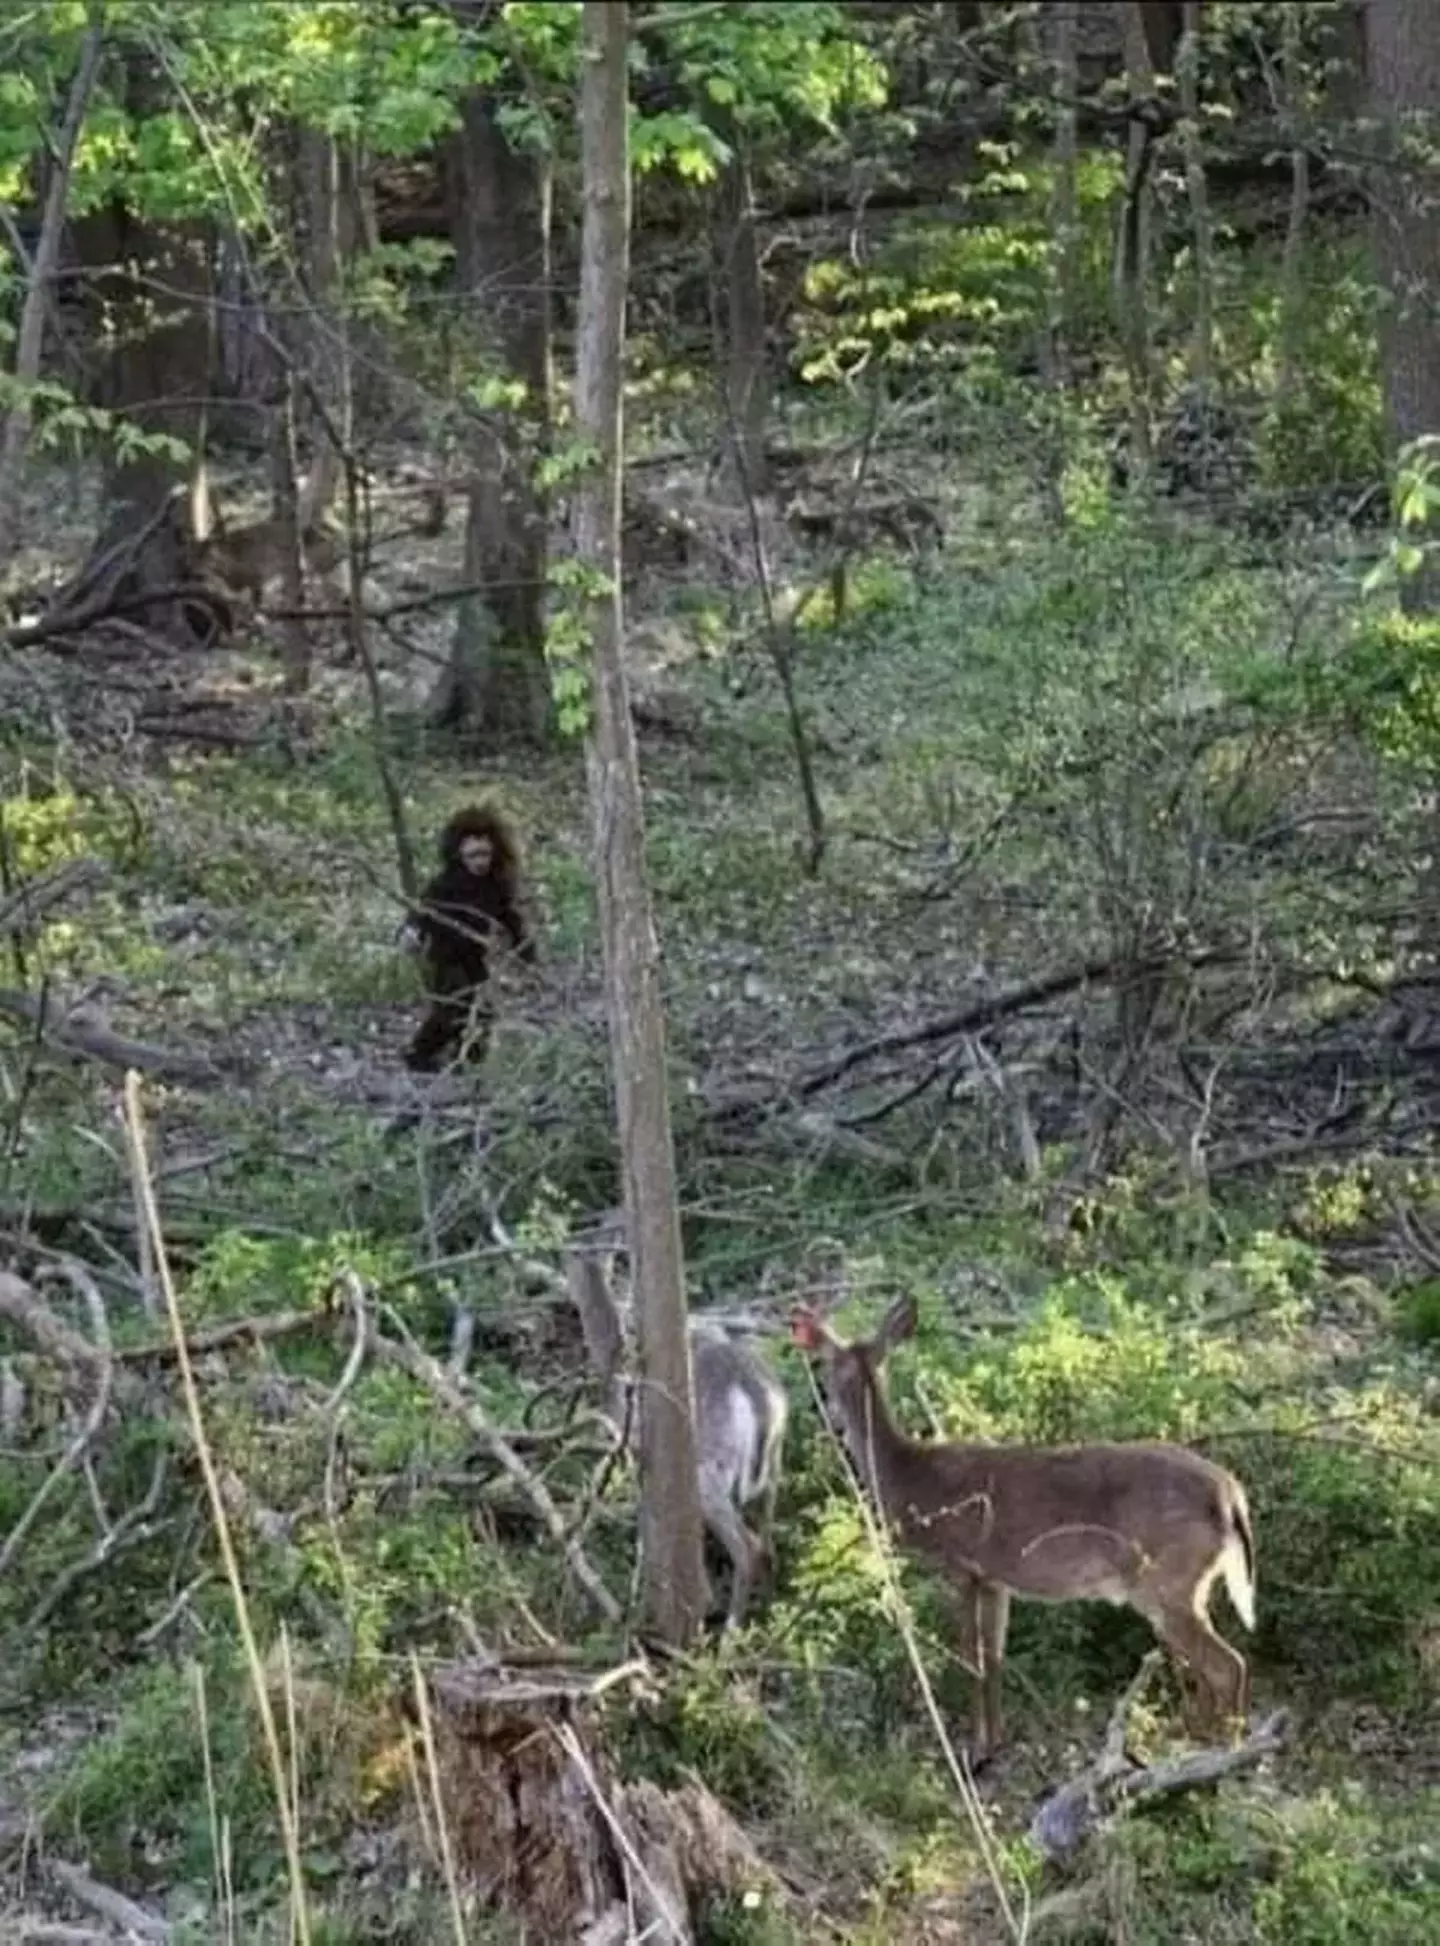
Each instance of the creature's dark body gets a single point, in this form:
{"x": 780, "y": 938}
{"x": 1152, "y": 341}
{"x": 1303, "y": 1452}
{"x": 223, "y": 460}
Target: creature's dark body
{"x": 460, "y": 917}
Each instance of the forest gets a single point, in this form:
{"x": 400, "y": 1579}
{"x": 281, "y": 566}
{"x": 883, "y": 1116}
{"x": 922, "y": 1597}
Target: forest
{"x": 720, "y": 880}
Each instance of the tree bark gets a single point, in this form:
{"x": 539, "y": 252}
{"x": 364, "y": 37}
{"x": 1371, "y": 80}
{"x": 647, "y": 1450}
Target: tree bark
{"x": 673, "y": 1575}
{"x": 497, "y": 681}
{"x": 30, "y": 343}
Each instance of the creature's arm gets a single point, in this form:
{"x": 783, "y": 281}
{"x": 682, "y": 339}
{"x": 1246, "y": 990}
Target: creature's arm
{"x": 521, "y": 937}
{"x": 416, "y": 929}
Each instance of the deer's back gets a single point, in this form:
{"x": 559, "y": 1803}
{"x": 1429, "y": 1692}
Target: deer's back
{"x": 1061, "y": 1522}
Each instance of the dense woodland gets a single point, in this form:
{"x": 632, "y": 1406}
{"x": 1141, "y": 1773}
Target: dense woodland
{"x": 911, "y": 532}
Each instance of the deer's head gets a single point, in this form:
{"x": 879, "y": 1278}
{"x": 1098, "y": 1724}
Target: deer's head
{"x": 851, "y": 1371}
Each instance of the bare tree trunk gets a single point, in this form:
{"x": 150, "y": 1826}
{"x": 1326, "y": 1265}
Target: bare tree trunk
{"x": 154, "y": 380}
{"x": 31, "y": 340}
{"x": 745, "y": 354}
{"x": 327, "y": 357}
{"x": 1292, "y": 266}
{"x": 285, "y": 508}
{"x": 1202, "y": 356}
{"x": 1132, "y": 244}
{"x": 1404, "y": 63}
{"x": 1403, "y": 49}
{"x": 1064, "y": 213}
{"x": 497, "y": 680}
{"x": 670, "y": 1531}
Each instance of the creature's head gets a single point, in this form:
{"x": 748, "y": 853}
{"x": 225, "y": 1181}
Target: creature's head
{"x": 482, "y": 839}
{"x": 850, "y": 1370}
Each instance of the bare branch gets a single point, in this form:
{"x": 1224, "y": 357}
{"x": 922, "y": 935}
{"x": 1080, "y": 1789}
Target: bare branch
{"x": 402, "y": 1350}
{"x": 85, "y": 1041}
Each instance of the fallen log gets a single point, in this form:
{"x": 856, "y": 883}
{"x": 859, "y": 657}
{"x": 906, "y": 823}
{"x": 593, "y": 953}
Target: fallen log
{"x": 1114, "y": 1783}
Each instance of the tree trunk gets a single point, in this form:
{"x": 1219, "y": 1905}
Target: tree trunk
{"x": 497, "y": 681}
{"x": 31, "y": 340}
{"x": 670, "y": 1533}
{"x": 1404, "y": 64}
{"x": 1202, "y": 359}
{"x": 154, "y": 380}
{"x": 151, "y": 301}
{"x": 1132, "y": 245}
{"x": 1342, "y": 35}
{"x": 1403, "y": 50}
{"x": 1292, "y": 264}
{"x": 747, "y": 379}
{"x": 1064, "y": 215}
{"x": 327, "y": 356}
{"x": 285, "y": 510}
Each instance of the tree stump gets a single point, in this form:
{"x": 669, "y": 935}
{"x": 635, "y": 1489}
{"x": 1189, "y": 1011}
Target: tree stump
{"x": 540, "y": 1823}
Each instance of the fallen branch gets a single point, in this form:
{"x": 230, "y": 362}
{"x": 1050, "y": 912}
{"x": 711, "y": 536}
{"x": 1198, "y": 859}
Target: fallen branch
{"x": 20, "y": 1306}
{"x": 88, "y": 1042}
{"x": 401, "y": 1350}
{"x": 21, "y": 910}
{"x": 216, "y": 1337}
{"x": 1114, "y": 1783}
{"x": 986, "y": 1012}
{"x": 134, "y": 1921}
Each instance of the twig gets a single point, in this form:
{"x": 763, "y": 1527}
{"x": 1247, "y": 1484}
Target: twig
{"x": 354, "y": 1364}
{"x": 402, "y": 1350}
{"x": 152, "y": 1631}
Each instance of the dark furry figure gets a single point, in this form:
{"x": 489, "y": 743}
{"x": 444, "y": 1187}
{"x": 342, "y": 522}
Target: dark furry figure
{"x": 474, "y": 896}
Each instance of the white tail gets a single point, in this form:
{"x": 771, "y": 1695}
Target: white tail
{"x": 1148, "y": 1526}
{"x": 740, "y": 1416}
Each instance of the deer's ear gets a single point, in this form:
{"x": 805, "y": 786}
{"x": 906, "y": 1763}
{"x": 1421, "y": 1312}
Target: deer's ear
{"x": 806, "y": 1329}
{"x": 898, "y": 1323}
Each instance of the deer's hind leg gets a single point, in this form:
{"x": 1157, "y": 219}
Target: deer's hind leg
{"x": 1208, "y": 1657}
{"x": 722, "y": 1517}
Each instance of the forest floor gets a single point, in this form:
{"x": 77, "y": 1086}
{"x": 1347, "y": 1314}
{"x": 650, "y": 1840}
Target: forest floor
{"x": 1031, "y": 752}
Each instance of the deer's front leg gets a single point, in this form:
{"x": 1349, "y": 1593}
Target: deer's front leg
{"x": 963, "y": 1598}
{"x": 992, "y": 1606}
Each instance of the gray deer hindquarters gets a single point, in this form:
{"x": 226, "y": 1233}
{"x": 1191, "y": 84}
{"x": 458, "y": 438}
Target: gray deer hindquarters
{"x": 740, "y": 1412}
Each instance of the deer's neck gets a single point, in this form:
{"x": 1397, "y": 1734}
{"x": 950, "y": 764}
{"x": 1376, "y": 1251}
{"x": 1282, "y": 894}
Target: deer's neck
{"x": 877, "y": 1446}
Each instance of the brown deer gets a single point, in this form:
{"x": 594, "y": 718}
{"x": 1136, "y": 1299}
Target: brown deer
{"x": 1148, "y": 1526}
{"x": 740, "y": 1416}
